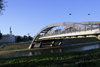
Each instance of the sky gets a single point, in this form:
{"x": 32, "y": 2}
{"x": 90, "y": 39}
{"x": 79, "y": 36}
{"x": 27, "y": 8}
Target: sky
{"x": 30, "y": 16}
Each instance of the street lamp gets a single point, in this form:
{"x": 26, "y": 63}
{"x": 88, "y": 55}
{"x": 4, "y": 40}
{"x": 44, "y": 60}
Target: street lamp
{"x": 91, "y": 22}
{"x": 69, "y": 16}
{"x": 90, "y": 17}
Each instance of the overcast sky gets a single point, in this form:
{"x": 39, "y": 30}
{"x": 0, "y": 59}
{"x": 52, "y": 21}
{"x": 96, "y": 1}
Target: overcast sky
{"x": 30, "y": 16}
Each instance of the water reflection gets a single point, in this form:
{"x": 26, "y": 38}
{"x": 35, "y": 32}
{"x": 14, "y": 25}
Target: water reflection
{"x": 90, "y": 47}
{"x": 37, "y": 53}
{"x": 52, "y": 51}
{"x": 30, "y": 53}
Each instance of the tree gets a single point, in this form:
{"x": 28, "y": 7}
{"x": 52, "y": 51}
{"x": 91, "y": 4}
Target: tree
{"x": 30, "y": 38}
{"x": 25, "y": 38}
{"x": 0, "y": 35}
{"x": 2, "y": 6}
{"x": 38, "y": 35}
{"x": 19, "y": 39}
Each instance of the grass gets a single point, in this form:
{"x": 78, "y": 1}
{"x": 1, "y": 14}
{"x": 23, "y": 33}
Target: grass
{"x": 16, "y": 47}
{"x": 0, "y": 46}
{"x": 65, "y": 42}
{"x": 79, "y": 40}
{"x": 89, "y": 58}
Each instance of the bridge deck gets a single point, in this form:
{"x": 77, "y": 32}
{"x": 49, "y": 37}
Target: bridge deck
{"x": 88, "y": 32}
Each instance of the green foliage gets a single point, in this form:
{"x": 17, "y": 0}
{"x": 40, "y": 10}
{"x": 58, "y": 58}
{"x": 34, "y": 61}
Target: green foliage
{"x": 16, "y": 47}
{"x": 26, "y": 38}
{"x": 18, "y": 39}
{"x": 79, "y": 40}
{"x": 86, "y": 64}
{"x": 89, "y": 58}
{"x": 38, "y": 35}
{"x": 0, "y": 35}
{"x": 30, "y": 38}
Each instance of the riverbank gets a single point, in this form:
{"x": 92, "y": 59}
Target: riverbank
{"x": 89, "y": 58}
{"x": 15, "y": 47}
{"x": 65, "y": 43}
{"x": 71, "y": 41}
{"x": 49, "y": 48}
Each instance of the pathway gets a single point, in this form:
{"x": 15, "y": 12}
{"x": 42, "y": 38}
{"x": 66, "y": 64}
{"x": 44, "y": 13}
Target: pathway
{"x": 3, "y": 46}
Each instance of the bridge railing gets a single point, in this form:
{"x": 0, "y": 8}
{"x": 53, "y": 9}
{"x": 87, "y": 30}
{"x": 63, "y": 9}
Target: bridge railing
{"x": 66, "y": 32}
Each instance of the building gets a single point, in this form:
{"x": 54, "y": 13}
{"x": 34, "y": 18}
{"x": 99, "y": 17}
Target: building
{"x": 8, "y": 38}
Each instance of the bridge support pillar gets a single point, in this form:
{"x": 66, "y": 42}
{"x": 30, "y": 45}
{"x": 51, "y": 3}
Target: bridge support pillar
{"x": 99, "y": 26}
{"x": 99, "y": 37}
{"x": 37, "y": 45}
{"x": 92, "y": 36}
{"x": 52, "y": 44}
{"x": 73, "y": 36}
{"x": 81, "y": 36}
{"x": 68, "y": 37}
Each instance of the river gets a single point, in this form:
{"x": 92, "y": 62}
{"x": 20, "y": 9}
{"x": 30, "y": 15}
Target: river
{"x": 58, "y": 50}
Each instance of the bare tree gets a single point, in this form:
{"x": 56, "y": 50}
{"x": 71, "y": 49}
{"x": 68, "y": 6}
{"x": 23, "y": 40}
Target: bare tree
{"x": 2, "y": 6}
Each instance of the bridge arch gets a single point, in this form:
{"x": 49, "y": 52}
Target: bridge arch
{"x": 81, "y": 25}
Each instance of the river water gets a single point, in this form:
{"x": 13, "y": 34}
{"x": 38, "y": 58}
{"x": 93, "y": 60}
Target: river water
{"x": 58, "y": 50}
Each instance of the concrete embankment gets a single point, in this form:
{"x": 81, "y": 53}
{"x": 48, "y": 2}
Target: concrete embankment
{"x": 56, "y": 47}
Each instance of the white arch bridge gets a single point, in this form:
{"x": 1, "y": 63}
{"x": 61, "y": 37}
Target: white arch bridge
{"x": 66, "y": 30}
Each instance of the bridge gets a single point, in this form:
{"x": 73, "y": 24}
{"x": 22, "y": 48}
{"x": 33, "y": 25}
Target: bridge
{"x": 63, "y": 30}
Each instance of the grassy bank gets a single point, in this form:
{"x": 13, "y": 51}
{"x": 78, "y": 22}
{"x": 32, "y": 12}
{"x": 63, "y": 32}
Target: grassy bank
{"x": 0, "y": 46}
{"x": 65, "y": 42}
{"x": 16, "y": 47}
{"x": 79, "y": 40}
{"x": 90, "y": 58}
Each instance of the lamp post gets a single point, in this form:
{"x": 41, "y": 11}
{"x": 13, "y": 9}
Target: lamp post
{"x": 91, "y": 22}
{"x": 90, "y": 17}
{"x": 69, "y": 16}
